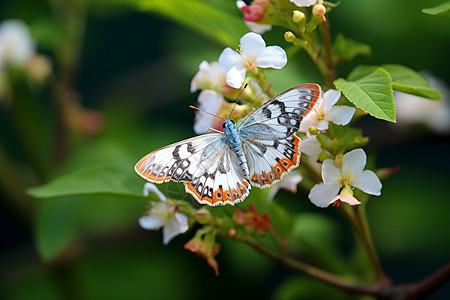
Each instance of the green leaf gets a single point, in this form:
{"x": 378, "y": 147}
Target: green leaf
{"x": 346, "y": 49}
{"x": 201, "y": 16}
{"x": 404, "y": 80}
{"x": 347, "y": 137}
{"x": 371, "y": 93}
{"x": 443, "y": 9}
{"x": 94, "y": 179}
{"x": 55, "y": 226}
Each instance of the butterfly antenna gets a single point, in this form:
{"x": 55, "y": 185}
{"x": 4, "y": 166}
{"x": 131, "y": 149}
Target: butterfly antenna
{"x": 205, "y": 112}
{"x": 238, "y": 99}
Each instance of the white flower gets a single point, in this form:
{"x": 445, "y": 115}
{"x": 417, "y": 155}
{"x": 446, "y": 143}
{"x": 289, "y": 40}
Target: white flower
{"x": 16, "y": 45}
{"x": 253, "y": 53}
{"x": 351, "y": 175}
{"x": 210, "y": 76}
{"x": 305, "y": 3}
{"x": 288, "y": 183}
{"x": 433, "y": 113}
{"x": 163, "y": 215}
{"x": 211, "y": 102}
{"x": 311, "y": 147}
{"x": 325, "y": 111}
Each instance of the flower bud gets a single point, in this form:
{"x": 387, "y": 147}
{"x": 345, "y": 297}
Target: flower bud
{"x": 319, "y": 11}
{"x": 203, "y": 216}
{"x": 313, "y": 130}
{"x": 338, "y": 160}
{"x": 298, "y": 16}
{"x": 289, "y": 37}
{"x": 232, "y": 233}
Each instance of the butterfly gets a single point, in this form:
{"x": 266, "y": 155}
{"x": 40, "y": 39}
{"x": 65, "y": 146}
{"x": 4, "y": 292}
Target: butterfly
{"x": 219, "y": 168}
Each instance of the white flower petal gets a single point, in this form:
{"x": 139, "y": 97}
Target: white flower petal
{"x": 236, "y": 76}
{"x": 258, "y": 28}
{"x": 173, "y": 228}
{"x": 330, "y": 97}
{"x": 203, "y": 124}
{"x": 151, "y": 222}
{"x": 323, "y": 194}
{"x": 330, "y": 173}
{"x": 272, "y": 57}
{"x": 291, "y": 181}
{"x": 240, "y": 4}
{"x": 311, "y": 146}
{"x": 355, "y": 161}
{"x": 304, "y": 3}
{"x": 183, "y": 221}
{"x": 252, "y": 45}
{"x": 15, "y": 41}
{"x": 307, "y": 122}
{"x": 341, "y": 115}
{"x": 322, "y": 125}
{"x": 210, "y": 101}
{"x": 230, "y": 58}
{"x": 369, "y": 183}
{"x": 150, "y": 187}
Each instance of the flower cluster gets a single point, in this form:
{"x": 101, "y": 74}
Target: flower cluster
{"x": 224, "y": 78}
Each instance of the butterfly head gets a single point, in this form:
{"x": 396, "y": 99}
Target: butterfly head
{"x": 228, "y": 124}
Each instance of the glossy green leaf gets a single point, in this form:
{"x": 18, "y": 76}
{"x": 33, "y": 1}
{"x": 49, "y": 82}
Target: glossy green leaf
{"x": 94, "y": 179}
{"x": 371, "y": 93}
{"x": 55, "y": 225}
{"x": 442, "y": 9}
{"x": 404, "y": 80}
{"x": 201, "y": 16}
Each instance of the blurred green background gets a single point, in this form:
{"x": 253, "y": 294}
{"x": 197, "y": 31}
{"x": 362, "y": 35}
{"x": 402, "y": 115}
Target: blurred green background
{"x": 135, "y": 66}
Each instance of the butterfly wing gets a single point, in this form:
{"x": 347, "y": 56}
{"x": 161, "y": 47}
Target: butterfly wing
{"x": 280, "y": 116}
{"x": 204, "y": 163}
{"x": 268, "y": 134}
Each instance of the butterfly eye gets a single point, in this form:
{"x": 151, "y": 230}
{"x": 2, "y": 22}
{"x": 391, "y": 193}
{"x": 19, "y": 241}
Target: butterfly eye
{"x": 232, "y": 121}
{"x": 223, "y": 125}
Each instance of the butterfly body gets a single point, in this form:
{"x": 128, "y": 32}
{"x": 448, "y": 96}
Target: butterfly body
{"x": 233, "y": 139}
{"x": 220, "y": 168}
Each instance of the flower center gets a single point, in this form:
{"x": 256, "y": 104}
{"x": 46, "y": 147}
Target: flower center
{"x": 249, "y": 59}
{"x": 347, "y": 177}
{"x": 320, "y": 114}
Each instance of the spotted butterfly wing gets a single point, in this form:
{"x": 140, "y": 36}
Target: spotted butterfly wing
{"x": 268, "y": 134}
{"x": 210, "y": 169}
{"x": 204, "y": 163}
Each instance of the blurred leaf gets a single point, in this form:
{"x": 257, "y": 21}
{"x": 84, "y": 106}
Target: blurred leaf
{"x": 199, "y": 15}
{"x": 371, "y": 93}
{"x": 305, "y": 288}
{"x": 347, "y": 137}
{"x": 93, "y": 179}
{"x": 404, "y": 80}
{"x": 443, "y": 9}
{"x": 346, "y": 49}
{"x": 55, "y": 225}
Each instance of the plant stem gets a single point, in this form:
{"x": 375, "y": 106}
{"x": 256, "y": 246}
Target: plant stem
{"x": 331, "y": 71}
{"x": 366, "y": 237}
{"x": 316, "y": 272}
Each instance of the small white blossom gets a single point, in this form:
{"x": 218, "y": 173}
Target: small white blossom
{"x": 16, "y": 45}
{"x": 210, "y": 76}
{"x": 311, "y": 147}
{"x": 211, "y": 102}
{"x": 326, "y": 111}
{"x": 351, "y": 175}
{"x": 253, "y": 52}
{"x": 163, "y": 215}
{"x": 306, "y": 3}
